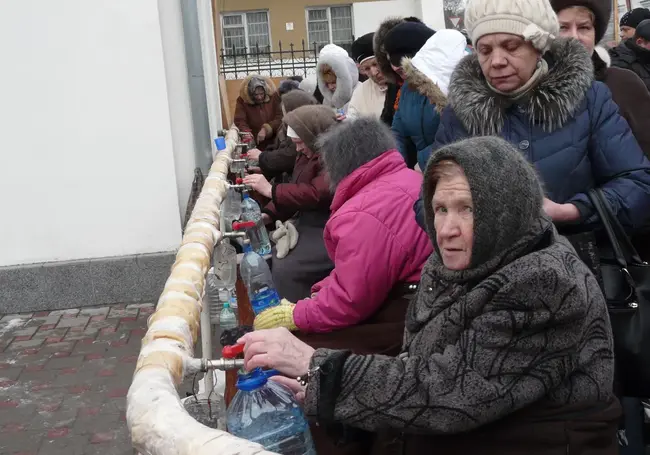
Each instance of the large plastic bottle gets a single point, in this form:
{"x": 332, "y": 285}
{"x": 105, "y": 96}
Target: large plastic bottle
{"x": 257, "y": 277}
{"x": 266, "y": 412}
{"x": 258, "y": 235}
{"x": 231, "y": 208}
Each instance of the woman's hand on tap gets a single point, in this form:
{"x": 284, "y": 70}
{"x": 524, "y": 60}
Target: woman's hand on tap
{"x": 259, "y": 183}
{"x": 278, "y": 349}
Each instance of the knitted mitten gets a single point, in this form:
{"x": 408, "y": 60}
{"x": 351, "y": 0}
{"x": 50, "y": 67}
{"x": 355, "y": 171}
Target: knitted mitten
{"x": 285, "y": 237}
{"x": 278, "y": 316}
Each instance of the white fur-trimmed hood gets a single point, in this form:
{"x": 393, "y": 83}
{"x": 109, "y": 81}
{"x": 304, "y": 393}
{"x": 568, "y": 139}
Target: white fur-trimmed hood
{"x": 347, "y": 75}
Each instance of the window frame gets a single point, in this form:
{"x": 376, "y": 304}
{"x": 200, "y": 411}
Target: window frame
{"x": 328, "y": 8}
{"x": 244, "y": 16}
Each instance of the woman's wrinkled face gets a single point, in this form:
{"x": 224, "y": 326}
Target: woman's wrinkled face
{"x": 578, "y": 22}
{"x": 370, "y": 68}
{"x": 507, "y": 61}
{"x": 301, "y": 147}
{"x": 454, "y": 220}
{"x": 259, "y": 94}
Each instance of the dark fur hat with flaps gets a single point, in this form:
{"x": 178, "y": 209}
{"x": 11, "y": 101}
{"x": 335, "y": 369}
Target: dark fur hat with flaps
{"x": 507, "y": 196}
{"x": 309, "y": 122}
{"x": 352, "y": 144}
{"x": 378, "y": 45}
{"x": 551, "y": 103}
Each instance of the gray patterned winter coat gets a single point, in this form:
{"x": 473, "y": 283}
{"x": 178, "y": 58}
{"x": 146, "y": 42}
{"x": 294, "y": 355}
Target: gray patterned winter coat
{"x": 510, "y": 356}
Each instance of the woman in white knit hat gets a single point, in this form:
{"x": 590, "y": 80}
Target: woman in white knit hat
{"x": 537, "y": 91}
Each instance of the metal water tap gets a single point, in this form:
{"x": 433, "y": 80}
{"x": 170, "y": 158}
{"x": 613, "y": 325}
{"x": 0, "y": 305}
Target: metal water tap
{"x": 228, "y": 360}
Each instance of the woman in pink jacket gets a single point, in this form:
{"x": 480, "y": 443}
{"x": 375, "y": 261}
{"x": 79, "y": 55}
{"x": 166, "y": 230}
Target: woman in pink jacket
{"x": 377, "y": 248}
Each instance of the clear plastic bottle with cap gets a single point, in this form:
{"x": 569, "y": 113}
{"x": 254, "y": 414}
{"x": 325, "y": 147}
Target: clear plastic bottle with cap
{"x": 257, "y": 277}
{"x": 267, "y": 413}
{"x": 258, "y": 235}
{"x": 227, "y": 317}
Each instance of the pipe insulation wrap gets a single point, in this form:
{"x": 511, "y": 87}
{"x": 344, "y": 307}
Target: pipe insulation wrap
{"x": 155, "y": 415}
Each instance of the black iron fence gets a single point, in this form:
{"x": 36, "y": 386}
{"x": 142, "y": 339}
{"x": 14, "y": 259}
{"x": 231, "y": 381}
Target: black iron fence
{"x": 237, "y": 63}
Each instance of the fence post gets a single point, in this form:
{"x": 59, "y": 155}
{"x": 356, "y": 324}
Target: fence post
{"x": 304, "y": 59}
{"x": 281, "y": 59}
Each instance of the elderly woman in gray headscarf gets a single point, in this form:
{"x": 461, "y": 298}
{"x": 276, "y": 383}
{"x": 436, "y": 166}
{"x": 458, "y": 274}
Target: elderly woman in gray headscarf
{"x": 259, "y": 110}
{"x": 507, "y": 347}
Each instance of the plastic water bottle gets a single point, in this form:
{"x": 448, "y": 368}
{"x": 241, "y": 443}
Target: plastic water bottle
{"x": 227, "y": 318}
{"x": 257, "y": 277}
{"x": 231, "y": 208}
{"x": 258, "y": 235}
{"x": 266, "y": 412}
{"x": 224, "y": 265}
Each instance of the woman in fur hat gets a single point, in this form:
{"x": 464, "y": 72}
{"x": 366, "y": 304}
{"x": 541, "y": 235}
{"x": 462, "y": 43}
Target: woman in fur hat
{"x": 258, "y": 110}
{"x": 538, "y": 92}
{"x": 424, "y": 94}
{"x": 507, "y": 347}
{"x": 393, "y": 80}
{"x": 337, "y": 76}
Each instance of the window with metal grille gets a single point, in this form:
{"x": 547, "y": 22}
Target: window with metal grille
{"x": 330, "y": 25}
{"x": 244, "y": 32}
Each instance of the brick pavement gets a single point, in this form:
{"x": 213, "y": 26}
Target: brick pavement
{"x": 64, "y": 377}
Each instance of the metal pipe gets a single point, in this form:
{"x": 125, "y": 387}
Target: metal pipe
{"x": 221, "y": 364}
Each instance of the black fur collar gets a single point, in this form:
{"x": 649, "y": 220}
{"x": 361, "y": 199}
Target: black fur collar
{"x": 551, "y": 104}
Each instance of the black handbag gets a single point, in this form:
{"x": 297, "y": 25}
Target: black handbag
{"x": 626, "y": 285}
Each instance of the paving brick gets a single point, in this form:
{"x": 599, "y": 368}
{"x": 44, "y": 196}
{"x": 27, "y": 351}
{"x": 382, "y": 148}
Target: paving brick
{"x": 19, "y": 345}
{"x": 81, "y": 321}
{"x": 29, "y": 441}
{"x": 72, "y": 312}
{"x": 23, "y": 338}
{"x": 94, "y": 311}
{"x": 53, "y": 348}
{"x": 140, "y": 306}
{"x": 92, "y": 347}
{"x": 10, "y": 373}
{"x": 27, "y": 331}
{"x": 71, "y": 445}
{"x": 51, "y": 333}
{"x": 9, "y": 317}
{"x": 43, "y": 321}
{"x": 58, "y": 432}
{"x": 123, "y": 312}
{"x": 66, "y": 362}
{"x": 40, "y": 314}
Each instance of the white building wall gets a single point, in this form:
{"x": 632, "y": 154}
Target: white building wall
{"x": 432, "y": 13}
{"x": 86, "y": 152}
{"x": 367, "y": 16}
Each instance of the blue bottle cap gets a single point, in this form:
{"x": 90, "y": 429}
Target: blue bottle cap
{"x": 247, "y": 247}
{"x": 254, "y": 379}
{"x": 220, "y": 142}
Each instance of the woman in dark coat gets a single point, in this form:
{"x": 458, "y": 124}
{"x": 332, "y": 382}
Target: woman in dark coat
{"x": 507, "y": 348}
{"x": 586, "y": 21}
{"x": 258, "y": 110}
{"x": 424, "y": 95}
{"x": 539, "y": 93}
{"x": 277, "y": 161}
{"x": 306, "y": 198}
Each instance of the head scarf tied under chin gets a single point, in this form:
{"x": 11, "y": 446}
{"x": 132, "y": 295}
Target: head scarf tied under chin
{"x": 255, "y": 83}
{"x": 507, "y": 196}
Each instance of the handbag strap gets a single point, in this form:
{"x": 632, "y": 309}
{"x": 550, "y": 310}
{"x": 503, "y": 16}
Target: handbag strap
{"x": 623, "y": 241}
{"x": 604, "y": 213}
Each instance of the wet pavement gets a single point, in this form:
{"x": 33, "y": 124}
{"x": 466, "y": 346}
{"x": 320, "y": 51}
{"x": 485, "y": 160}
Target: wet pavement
{"x": 64, "y": 376}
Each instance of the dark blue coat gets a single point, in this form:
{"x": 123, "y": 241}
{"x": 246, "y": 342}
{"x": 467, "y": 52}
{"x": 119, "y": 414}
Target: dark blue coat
{"x": 575, "y": 137}
{"x": 415, "y": 125}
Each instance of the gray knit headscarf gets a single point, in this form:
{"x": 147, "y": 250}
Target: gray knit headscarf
{"x": 254, "y": 83}
{"x": 352, "y": 144}
{"x": 508, "y": 199}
